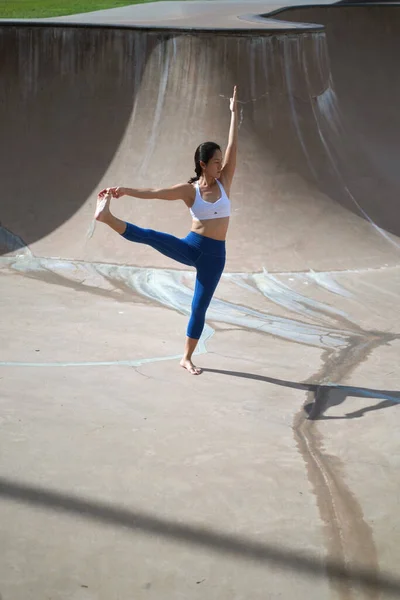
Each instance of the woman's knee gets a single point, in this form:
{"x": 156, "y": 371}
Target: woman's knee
{"x": 195, "y": 326}
{"x": 199, "y": 308}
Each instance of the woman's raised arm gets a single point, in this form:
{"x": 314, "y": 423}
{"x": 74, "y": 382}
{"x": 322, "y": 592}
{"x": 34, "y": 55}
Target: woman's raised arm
{"x": 229, "y": 164}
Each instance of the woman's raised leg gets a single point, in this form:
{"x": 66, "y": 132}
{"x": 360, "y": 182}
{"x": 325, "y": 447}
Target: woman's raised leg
{"x": 166, "y": 244}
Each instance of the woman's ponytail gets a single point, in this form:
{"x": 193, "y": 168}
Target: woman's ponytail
{"x": 198, "y": 173}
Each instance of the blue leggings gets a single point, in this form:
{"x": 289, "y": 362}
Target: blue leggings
{"x": 205, "y": 254}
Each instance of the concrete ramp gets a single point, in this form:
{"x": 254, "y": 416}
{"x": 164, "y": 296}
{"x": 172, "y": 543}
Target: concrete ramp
{"x": 317, "y": 174}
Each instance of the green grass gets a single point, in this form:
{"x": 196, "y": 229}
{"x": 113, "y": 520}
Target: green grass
{"x": 39, "y": 9}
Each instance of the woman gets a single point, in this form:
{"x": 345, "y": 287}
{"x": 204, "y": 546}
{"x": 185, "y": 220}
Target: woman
{"x": 207, "y": 197}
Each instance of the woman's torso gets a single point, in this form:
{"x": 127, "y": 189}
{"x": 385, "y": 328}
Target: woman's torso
{"x": 213, "y": 228}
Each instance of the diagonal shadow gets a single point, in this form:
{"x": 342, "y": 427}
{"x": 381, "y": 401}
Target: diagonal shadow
{"x": 220, "y": 542}
{"x": 325, "y": 396}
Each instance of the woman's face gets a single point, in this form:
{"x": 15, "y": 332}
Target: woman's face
{"x": 214, "y": 166}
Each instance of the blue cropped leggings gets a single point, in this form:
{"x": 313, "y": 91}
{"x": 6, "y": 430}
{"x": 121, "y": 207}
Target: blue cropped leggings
{"x": 205, "y": 254}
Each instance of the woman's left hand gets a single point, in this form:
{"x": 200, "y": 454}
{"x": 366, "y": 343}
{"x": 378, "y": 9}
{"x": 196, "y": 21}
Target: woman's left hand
{"x": 116, "y": 192}
{"x": 233, "y": 105}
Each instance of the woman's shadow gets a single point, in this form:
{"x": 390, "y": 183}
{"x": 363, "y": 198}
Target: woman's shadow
{"x": 326, "y": 396}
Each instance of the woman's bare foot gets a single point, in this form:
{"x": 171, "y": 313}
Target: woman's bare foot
{"x": 187, "y": 364}
{"x": 102, "y": 211}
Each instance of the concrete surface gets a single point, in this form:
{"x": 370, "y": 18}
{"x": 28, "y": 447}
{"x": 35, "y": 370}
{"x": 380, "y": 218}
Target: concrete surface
{"x": 275, "y": 474}
{"x": 205, "y": 15}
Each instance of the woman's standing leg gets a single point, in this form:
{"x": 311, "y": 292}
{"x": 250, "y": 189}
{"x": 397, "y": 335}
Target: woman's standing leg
{"x": 209, "y": 271}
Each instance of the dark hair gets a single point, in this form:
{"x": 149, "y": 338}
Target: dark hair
{"x": 203, "y": 153}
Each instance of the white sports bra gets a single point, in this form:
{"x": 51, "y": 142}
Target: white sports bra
{"x": 203, "y": 210}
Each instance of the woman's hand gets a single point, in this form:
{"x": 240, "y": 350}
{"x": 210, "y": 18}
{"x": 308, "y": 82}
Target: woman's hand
{"x": 233, "y": 105}
{"x": 116, "y": 192}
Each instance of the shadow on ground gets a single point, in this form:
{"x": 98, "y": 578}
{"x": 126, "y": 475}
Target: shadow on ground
{"x": 326, "y": 396}
{"x": 219, "y": 542}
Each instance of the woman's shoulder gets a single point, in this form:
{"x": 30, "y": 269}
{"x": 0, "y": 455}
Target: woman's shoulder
{"x": 190, "y": 193}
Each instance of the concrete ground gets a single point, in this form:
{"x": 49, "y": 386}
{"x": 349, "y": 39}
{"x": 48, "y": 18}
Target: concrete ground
{"x": 274, "y": 474}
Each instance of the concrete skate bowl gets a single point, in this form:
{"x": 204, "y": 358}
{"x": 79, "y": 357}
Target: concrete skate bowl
{"x": 363, "y": 42}
{"x": 87, "y": 107}
{"x": 66, "y": 96}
